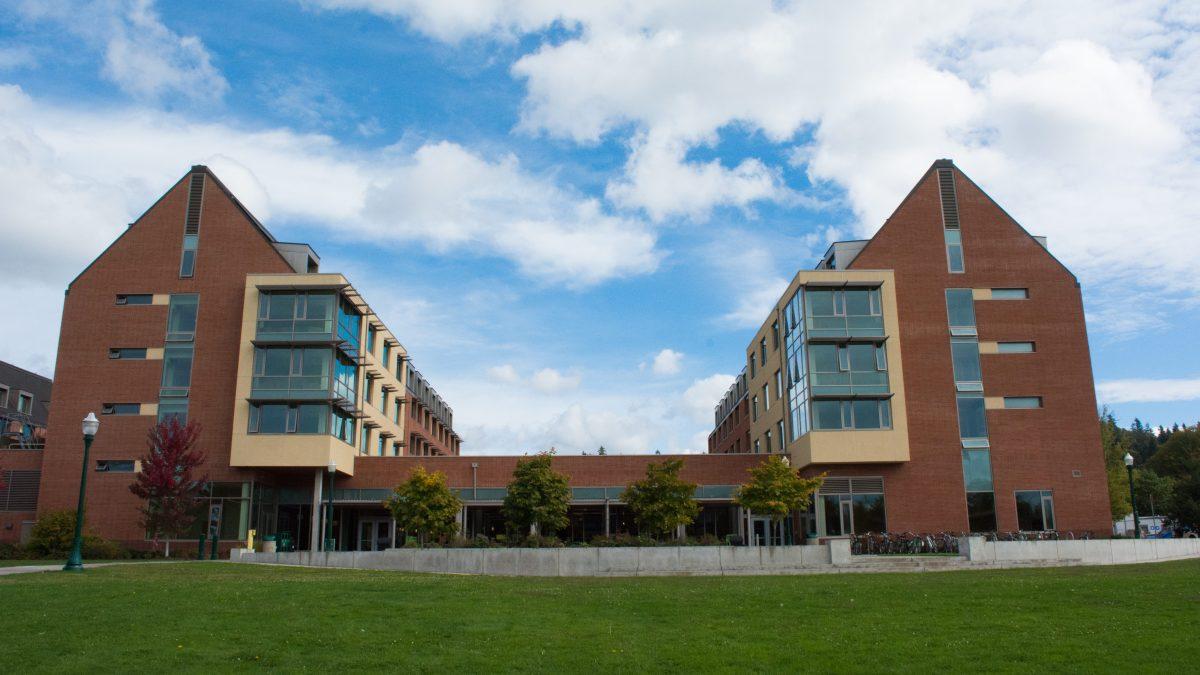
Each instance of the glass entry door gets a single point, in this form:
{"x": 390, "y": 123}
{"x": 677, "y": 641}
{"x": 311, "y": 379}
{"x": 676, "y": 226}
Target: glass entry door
{"x": 763, "y": 532}
{"x": 374, "y": 534}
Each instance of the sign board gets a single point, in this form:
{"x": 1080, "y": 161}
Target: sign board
{"x": 214, "y": 521}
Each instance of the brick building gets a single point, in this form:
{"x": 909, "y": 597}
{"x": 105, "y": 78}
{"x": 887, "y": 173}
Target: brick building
{"x": 944, "y": 417}
{"x": 938, "y": 374}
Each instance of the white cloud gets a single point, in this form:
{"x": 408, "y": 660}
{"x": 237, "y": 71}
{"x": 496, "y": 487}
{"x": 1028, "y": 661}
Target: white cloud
{"x": 1148, "y": 390}
{"x": 504, "y": 373}
{"x": 141, "y": 55}
{"x": 73, "y": 178}
{"x": 703, "y": 395}
{"x": 551, "y": 381}
{"x": 1081, "y": 118}
{"x": 667, "y": 362}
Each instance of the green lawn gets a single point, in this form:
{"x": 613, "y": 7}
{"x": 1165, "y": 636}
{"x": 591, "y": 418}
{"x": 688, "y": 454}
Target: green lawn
{"x": 221, "y": 616}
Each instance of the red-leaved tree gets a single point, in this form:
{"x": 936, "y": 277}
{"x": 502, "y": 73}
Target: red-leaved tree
{"x": 167, "y": 482}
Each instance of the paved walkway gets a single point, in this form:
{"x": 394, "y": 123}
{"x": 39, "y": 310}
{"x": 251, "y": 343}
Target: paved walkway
{"x": 57, "y": 567}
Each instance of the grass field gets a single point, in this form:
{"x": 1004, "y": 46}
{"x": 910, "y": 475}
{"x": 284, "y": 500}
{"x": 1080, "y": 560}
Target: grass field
{"x": 221, "y": 616}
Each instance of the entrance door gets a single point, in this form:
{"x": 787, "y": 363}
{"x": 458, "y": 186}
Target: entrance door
{"x": 374, "y": 534}
{"x": 763, "y": 532}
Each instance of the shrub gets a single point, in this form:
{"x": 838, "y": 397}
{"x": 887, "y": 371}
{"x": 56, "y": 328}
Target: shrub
{"x": 54, "y": 533}
{"x": 13, "y": 552}
{"x": 97, "y": 548}
{"x": 540, "y": 541}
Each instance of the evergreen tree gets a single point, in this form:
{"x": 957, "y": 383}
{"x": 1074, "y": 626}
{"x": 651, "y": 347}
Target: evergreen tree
{"x": 166, "y": 484}
{"x": 1179, "y": 457}
{"x": 537, "y": 497}
{"x": 1153, "y": 491}
{"x": 662, "y": 501}
{"x": 425, "y": 504}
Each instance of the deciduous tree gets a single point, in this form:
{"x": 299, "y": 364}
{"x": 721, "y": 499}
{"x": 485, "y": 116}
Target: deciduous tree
{"x": 425, "y": 504}
{"x": 775, "y": 489}
{"x": 538, "y": 496}
{"x": 166, "y": 483}
{"x": 662, "y": 501}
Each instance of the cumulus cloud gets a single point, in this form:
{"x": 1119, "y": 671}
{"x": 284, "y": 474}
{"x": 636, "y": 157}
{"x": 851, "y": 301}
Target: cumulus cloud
{"x": 1141, "y": 390}
{"x": 667, "y": 362}
{"x": 73, "y": 178}
{"x": 141, "y": 55}
{"x": 504, "y": 373}
{"x": 703, "y": 395}
{"x": 1081, "y": 118}
{"x": 551, "y": 381}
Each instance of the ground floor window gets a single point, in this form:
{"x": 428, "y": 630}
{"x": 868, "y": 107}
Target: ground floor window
{"x": 981, "y": 511}
{"x": 851, "y": 506}
{"x": 1035, "y": 510}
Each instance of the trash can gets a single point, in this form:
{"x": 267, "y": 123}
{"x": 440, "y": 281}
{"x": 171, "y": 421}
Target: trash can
{"x": 268, "y": 543}
{"x": 284, "y": 542}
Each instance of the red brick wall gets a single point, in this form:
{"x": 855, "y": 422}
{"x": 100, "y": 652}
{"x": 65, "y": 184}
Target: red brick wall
{"x": 146, "y": 260}
{"x": 1031, "y": 449}
{"x": 16, "y": 460}
{"x": 584, "y": 471}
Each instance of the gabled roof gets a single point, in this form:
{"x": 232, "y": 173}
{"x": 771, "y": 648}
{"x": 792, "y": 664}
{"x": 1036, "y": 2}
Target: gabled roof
{"x": 198, "y": 168}
{"x": 949, "y": 164}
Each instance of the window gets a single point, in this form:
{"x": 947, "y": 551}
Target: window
{"x": 342, "y": 426}
{"x": 762, "y": 352}
{"x": 1022, "y": 402}
{"x": 981, "y": 511}
{"x": 960, "y": 307}
{"x": 292, "y": 369}
{"x": 366, "y": 441}
{"x": 368, "y": 389}
{"x": 187, "y": 263}
{"x": 115, "y": 465}
{"x": 775, "y": 336}
{"x": 371, "y": 339}
{"x": 138, "y": 299}
{"x": 750, "y": 360}
{"x": 181, "y": 318}
{"x": 1010, "y": 293}
{"x": 767, "y": 440}
{"x": 387, "y": 354}
{"x": 382, "y": 445}
{"x": 954, "y": 250}
{"x": 754, "y": 409}
{"x": 3, "y": 396}
{"x": 383, "y": 400}
{"x": 1035, "y": 510}
{"x": 782, "y": 442}
{"x": 177, "y": 370}
{"x": 177, "y": 408}
{"x": 766, "y": 395}
{"x": 281, "y": 418}
{"x": 778, "y": 384}
{"x": 849, "y": 368}
{"x": 127, "y": 353}
{"x": 295, "y": 315}
{"x": 396, "y": 414}
{"x": 121, "y": 409}
{"x": 1015, "y": 347}
{"x": 972, "y": 420}
{"x": 977, "y": 470}
{"x": 852, "y": 506}
{"x": 757, "y": 446}
{"x": 866, "y": 413}
{"x": 967, "y": 373}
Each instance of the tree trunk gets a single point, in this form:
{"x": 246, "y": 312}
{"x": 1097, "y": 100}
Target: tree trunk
{"x": 168, "y": 554}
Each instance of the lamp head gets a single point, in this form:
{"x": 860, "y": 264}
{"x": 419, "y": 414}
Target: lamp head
{"x": 1128, "y": 459}
{"x": 90, "y": 425}
{"x": 332, "y": 467}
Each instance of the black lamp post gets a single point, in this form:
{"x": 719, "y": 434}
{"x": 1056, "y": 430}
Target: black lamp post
{"x": 329, "y": 542}
{"x": 75, "y": 562}
{"x": 1137, "y": 529}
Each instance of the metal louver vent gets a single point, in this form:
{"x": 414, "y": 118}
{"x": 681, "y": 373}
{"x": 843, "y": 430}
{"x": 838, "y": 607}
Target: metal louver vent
{"x": 835, "y": 486}
{"x": 20, "y": 491}
{"x": 861, "y": 486}
{"x": 191, "y": 224}
{"x": 858, "y": 486}
{"x": 949, "y": 199}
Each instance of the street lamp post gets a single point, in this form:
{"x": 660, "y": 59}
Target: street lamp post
{"x": 329, "y": 543}
{"x": 1137, "y": 529}
{"x": 75, "y": 562}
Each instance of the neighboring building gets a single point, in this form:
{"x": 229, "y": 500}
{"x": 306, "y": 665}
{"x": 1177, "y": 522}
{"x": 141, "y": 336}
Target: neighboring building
{"x": 24, "y": 407}
{"x": 938, "y": 374}
{"x": 731, "y": 433}
{"x": 24, "y": 410}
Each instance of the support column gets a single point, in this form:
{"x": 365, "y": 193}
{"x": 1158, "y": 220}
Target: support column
{"x": 395, "y": 544}
{"x": 318, "y": 508}
{"x": 606, "y": 518}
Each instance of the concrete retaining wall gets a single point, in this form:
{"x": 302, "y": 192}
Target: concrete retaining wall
{"x": 570, "y": 562}
{"x": 1089, "y": 552}
{"x": 730, "y": 560}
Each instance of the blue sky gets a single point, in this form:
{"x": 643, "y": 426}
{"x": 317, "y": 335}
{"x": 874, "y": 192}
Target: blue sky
{"x": 585, "y": 209}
